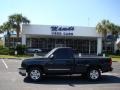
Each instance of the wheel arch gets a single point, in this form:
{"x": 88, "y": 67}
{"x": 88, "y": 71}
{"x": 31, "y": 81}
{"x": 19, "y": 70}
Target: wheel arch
{"x": 94, "y": 67}
{"x": 35, "y": 66}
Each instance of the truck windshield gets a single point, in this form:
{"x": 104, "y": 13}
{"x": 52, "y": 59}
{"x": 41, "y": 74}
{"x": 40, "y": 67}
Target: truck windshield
{"x": 49, "y": 53}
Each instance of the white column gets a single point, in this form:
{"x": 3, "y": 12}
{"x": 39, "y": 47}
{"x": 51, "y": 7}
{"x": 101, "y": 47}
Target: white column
{"x": 115, "y": 47}
{"x": 23, "y": 39}
{"x": 99, "y": 45}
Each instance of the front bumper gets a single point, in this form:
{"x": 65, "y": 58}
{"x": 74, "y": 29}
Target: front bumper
{"x": 22, "y": 71}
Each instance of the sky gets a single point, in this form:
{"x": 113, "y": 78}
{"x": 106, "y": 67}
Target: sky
{"x": 62, "y": 12}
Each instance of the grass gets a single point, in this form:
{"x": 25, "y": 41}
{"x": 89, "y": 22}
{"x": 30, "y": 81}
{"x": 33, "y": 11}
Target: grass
{"x": 116, "y": 59}
{"x": 1, "y": 42}
{"x": 14, "y": 56}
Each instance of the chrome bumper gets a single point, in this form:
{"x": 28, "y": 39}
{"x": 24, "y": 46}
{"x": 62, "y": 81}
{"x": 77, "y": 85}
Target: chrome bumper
{"x": 22, "y": 71}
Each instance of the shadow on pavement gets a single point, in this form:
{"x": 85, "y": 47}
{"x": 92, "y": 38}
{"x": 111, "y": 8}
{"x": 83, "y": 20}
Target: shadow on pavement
{"x": 72, "y": 80}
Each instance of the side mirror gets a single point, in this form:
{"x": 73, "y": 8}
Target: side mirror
{"x": 51, "y": 56}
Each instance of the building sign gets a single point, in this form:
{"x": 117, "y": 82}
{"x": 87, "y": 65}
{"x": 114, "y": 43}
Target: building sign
{"x": 62, "y": 31}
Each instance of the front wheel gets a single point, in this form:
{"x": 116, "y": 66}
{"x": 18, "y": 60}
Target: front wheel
{"x": 93, "y": 74}
{"x": 35, "y": 74}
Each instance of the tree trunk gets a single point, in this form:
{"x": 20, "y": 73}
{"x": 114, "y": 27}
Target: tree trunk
{"x": 8, "y": 42}
{"x": 105, "y": 46}
{"x": 18, "y": 32}
{"x": 105, "y": 43}
{"x": 8, "y": 37}
{"x": 114, "y": 49}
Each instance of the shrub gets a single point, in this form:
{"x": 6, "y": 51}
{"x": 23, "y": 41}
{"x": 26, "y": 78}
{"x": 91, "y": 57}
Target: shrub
{"x": 21, "y": 49}
{"x": 12, "y": 51}
{"x": 4, "y": 51}
{"x": 1, "y": 46}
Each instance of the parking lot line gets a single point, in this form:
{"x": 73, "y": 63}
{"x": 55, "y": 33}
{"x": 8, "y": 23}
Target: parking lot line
{"x": 5, "y": 64}
{"x": 114, "y": 74}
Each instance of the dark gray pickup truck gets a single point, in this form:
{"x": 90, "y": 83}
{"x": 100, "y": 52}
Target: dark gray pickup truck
{"x": 62, "y": 61}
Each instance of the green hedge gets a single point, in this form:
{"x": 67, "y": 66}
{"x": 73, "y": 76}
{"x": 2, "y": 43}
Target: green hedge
{"x": 4, "y": 51}
{"x": 19, "y": 48}
{"x": 12, "y": 51}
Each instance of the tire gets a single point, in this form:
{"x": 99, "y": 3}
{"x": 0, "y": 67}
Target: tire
{"x": 93, "y": 74}
{"x": 35, "y": 74}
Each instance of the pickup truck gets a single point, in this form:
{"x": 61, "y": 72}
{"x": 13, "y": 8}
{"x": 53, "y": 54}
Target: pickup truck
{"x": 61, "y": 61}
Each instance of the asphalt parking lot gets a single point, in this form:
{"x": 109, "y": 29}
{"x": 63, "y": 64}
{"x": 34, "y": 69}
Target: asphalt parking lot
{"x": 11, "y": 80}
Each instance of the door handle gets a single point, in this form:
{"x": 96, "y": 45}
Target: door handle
{"x": 68, "y": 62}
{"x": 50, "y": 62}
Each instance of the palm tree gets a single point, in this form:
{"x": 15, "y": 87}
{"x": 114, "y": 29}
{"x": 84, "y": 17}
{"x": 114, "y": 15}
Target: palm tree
{"x": 1, "y": 30}
{"x": 104, "y": 27}
{"x": 6, "y": 27}
{"x": 115, "y": 31}
{"x": 17, "y": 20}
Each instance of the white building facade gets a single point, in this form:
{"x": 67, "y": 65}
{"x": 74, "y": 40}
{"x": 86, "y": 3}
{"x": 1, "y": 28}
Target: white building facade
{"x": 46, "y": 37}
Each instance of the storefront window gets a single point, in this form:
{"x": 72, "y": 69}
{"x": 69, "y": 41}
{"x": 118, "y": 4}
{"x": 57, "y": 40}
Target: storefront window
{"x": 79, "y": 45}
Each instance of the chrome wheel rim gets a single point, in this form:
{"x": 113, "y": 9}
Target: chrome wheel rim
{"x": 35, "y": 74}
{"x": 94, "y": 74}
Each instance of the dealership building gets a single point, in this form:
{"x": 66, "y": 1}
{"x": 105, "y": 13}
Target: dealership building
{"x": 46, "y": 37}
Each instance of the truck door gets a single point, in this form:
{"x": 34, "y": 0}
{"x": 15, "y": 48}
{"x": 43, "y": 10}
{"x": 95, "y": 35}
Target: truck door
{"x": 62, "y": 61}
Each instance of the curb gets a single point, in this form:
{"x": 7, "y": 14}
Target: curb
{"x": 12, "y": 58}
{"x": 115, "y": 61}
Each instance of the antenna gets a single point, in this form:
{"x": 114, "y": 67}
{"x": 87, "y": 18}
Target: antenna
{"x": 88, "y": 21}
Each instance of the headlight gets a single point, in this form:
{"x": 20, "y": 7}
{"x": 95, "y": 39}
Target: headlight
{"x": 23, "y": 64}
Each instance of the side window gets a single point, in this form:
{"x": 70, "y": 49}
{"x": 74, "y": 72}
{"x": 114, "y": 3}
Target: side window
{"x": 63, "y": 54}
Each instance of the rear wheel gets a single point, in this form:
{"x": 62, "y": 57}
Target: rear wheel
{"x": 35, "y": 74}
{"x": 93, "y": 74}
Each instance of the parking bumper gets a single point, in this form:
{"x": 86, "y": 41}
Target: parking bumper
{"x": 22, "y": 71}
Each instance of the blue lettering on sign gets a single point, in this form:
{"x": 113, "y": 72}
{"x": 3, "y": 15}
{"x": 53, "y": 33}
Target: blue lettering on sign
{"x": 56, "y": 33}
{"x": 68, "y": 34}
{"x": 62, "y": 33}
{"x": 56, "y": 28}
{"x": 66, "y": 31}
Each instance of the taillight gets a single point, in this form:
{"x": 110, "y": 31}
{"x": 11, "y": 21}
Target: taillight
{"x": 110, "y": 61}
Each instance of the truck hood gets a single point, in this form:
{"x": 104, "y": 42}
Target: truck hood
{"x": 40, "y": 58}
{"x": 33, "y": 60}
